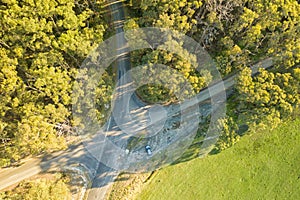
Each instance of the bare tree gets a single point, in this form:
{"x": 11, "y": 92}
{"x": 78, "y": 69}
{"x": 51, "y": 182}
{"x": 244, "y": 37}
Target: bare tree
{"x": 222, "y": 13}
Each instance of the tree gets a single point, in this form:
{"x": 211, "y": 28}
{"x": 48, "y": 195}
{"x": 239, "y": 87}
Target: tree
{"x": 53, "y": 189}
{"x": 260, "y": 29}
{"x": 174, "y": 84}
{"x": 267, "y": 98}
{"x": 228, "y": 134}
{"x": 42, "y": 45}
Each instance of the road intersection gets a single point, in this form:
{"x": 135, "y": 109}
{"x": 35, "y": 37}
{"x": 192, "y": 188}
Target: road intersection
{"x": 104, "y": 155}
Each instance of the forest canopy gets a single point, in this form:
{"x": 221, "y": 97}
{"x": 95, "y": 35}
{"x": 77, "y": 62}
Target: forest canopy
{"x": 43, "y": 44}
{"x": 236, "y": 34}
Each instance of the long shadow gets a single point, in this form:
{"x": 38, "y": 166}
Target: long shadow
{"x": 104, "y": 176}
{"x": 74, "y": 156}
{"x": 77, "y": 157}
{"x": 193, "y": 151}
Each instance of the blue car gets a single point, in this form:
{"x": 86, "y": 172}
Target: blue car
{"x": 148, "y": 150}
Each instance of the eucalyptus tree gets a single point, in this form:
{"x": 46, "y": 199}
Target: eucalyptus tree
{"x": 42, "y": 45}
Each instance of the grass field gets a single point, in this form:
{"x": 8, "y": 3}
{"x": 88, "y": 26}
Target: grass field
{"x": 263, "y": 165}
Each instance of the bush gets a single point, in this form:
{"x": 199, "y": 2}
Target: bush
{"x": 228, "y": 134}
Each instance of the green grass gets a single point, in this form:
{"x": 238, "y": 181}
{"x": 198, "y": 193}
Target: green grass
{"x": 264, "y": 165}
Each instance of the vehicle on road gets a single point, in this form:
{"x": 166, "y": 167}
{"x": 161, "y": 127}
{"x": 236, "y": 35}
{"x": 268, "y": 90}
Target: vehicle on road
{"x": 148, "y": 150}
